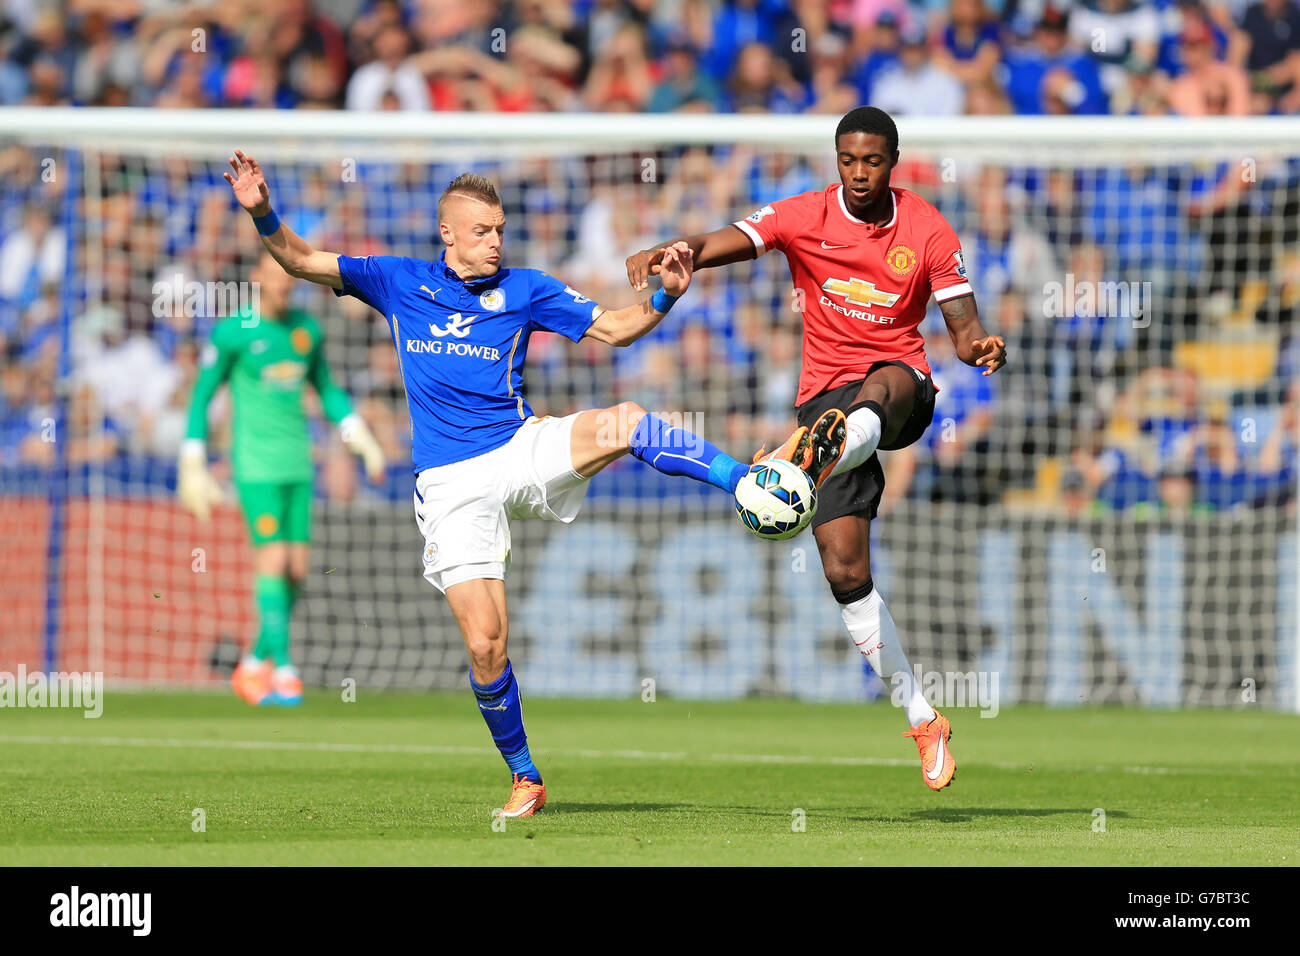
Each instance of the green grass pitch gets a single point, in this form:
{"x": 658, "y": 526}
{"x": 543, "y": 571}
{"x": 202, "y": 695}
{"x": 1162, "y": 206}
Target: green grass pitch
{"x": 412, "y": 779}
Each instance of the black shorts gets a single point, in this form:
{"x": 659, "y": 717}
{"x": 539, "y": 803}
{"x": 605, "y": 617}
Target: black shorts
{"x": 858, "y": 491}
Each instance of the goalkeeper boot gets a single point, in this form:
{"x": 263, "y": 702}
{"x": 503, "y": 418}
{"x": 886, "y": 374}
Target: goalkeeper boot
{"x": 816, "y": 450}
{"x": 252, "y": 680}
{"x": 937, "y": 764}
{"x": 526, "y": 798}
{"x": 286, "y": 689}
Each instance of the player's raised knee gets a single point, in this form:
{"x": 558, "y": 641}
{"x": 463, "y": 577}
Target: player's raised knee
{"x": 629, "y": 415}
{"x": 848, "y": 577}
{"x": 615, "y": 425}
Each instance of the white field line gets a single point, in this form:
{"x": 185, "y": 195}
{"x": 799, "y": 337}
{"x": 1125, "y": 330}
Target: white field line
{"x": 435, "y": 750}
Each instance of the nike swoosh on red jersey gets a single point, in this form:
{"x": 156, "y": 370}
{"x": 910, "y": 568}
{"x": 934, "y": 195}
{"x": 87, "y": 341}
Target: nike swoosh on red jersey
{"x": 824, "y": 246}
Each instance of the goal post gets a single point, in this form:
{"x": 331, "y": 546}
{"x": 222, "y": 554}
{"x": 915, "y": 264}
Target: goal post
{"x": 1110, "y": 519}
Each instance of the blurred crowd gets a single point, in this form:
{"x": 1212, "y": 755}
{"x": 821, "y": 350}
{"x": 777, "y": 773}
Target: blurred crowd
{"x": 1153, "y": 351}
{"x": 1149, "y": 307}
{"x": 925, "y": 57}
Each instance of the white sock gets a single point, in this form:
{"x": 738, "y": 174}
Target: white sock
{"x": 249, "y": 661}
{"x": 872, "y": 629}
{"x": 284, "y": 671}
{"x": 863, "y": 428}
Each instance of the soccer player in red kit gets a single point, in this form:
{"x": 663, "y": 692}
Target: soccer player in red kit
{"x": 865, "y": 258}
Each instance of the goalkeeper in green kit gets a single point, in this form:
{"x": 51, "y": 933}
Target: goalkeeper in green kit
{"x": 267, "y": 357}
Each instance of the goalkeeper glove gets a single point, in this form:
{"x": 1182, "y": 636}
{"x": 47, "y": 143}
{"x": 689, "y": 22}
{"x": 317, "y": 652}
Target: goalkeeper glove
{"x": 195, "y": 487}
{"x": 357, "y": 436}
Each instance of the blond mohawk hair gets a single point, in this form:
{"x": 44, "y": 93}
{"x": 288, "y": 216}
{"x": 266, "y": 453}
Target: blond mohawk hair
{"x": 472, "y": 185}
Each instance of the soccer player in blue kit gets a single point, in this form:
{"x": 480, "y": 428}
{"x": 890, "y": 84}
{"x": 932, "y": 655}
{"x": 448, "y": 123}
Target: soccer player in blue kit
{"x": 461, "y": 326}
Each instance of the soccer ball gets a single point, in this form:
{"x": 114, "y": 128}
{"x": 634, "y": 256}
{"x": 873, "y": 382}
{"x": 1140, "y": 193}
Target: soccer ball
{"x": 775, "y": 499}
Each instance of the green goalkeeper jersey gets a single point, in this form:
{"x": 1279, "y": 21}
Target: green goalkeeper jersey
{"x": 267, "y": 362}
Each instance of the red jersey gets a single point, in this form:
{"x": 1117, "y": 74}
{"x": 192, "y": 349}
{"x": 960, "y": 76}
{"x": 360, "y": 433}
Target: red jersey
{"x": 865, "y": 288}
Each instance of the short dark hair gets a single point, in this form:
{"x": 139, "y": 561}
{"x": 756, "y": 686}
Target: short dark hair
{"x": 472, "y": 185}
{"x": 868, "y": 119}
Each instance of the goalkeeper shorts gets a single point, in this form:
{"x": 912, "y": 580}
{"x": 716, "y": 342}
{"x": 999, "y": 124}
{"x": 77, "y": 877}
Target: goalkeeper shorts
{"x": 464, "y": 509}
{"x": 276, "y": 510}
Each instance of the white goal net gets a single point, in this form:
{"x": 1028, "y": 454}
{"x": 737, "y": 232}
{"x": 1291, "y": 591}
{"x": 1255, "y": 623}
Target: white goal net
{"x": 1110, "y": 519}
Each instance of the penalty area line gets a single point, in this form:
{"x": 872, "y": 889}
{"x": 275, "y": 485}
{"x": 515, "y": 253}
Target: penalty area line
{"x": 439, "y": 750}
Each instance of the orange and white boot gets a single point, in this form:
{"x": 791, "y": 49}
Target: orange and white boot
{"x": 526, "y": 798}
{"x": 252, "y": 680}
{"x": 937, "y": 764}
{"x": 817, "y": 450}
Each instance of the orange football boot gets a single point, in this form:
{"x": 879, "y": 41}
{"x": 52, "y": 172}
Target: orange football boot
{"x": 937, "y": 764}
{"x": 526, "y": 799}
{"x": 816, "y": 450}
{"x": 252, "y": 683}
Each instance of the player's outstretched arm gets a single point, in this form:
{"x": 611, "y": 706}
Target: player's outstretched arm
{"x": 718, "y": 248}
{"x": 625, "y": 326}
{"x": 974, "y": 345}
{"x": 295, "y": 254}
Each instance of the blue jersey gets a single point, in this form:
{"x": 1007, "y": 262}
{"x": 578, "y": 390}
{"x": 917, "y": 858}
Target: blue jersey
{"x": 461, "y": 345}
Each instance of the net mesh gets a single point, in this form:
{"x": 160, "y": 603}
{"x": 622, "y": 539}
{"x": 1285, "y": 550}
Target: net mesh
{"x": 1109, "y": 519}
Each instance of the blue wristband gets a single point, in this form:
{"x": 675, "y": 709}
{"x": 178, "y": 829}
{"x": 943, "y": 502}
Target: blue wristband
{"x": 661, "y": 301}
{"x": 267, "y": 225}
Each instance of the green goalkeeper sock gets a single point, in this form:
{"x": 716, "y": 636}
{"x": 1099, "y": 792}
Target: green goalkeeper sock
{"x": 275, "y": 604}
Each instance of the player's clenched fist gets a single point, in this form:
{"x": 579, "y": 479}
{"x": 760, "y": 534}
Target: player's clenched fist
{"x": 249, "y": 184}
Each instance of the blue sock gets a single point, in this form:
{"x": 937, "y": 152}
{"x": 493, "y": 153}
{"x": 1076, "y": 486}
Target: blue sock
{"x": 675, "y": 451}
{"x": 499, "y": 704}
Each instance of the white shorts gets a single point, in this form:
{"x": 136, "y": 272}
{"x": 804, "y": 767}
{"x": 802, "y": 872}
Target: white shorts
{"x": 463, "y": 509}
